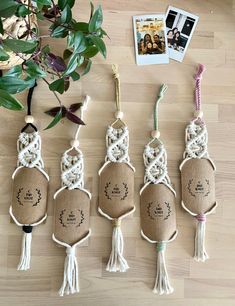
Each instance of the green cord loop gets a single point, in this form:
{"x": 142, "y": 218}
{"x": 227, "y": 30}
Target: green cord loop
{"x": 160, "y": 96}
{"x": 161, "y": 246}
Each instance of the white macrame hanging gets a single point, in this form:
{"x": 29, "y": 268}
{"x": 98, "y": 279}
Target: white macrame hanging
{"x": 196, "y": 140}
{"x": 155, "y": 161}
{"x": 117, "y": 143}
{"x": 72, "y": 177}
{"x": 29, "y": 156}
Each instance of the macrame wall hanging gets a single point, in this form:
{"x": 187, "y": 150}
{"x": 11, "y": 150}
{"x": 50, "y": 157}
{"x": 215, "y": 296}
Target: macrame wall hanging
{"x": 30, "y": 184}
{"x": 157, "y": 202}
{"x": 198, "y": 173}
{"x": 116, "y": 184}
{"x": 72, "y": 210}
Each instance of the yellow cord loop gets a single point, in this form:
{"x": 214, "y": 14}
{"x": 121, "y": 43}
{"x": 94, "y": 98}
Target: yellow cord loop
{"x": 117, "y": 87}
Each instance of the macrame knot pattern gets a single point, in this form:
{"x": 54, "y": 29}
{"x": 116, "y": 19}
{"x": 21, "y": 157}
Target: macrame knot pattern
{"x": 201, "y": 217}
{"x": 72, "y": 170}
{"x": 155, "y": 161}
{"x": 29, "y": 150}
{"x": 196, "y": 139}
{"x": 117, "y": 141}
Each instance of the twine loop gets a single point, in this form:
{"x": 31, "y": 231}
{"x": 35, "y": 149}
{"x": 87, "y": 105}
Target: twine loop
{"x": 116, "y": 222}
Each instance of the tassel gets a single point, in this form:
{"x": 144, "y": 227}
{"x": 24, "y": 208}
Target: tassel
{"x": 162, "y": 284}
{"x": 200, "y": 251}
{"x": 24, "y": 263}
{"x": 116, "y": 260}
{"x": 70, "y": 283}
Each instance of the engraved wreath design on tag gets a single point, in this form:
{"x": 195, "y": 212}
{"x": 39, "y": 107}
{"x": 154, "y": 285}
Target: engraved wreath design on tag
{"x": 73, "y": 217}
{"x": 199, "y": 187}
{"x": 116, "y": 191}
{"x": 28, "y": 196}
{"x": 156, "y": 210}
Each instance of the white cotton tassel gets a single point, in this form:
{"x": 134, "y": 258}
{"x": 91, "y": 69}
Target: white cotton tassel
{"x": 116, "y": 260}
{"x": 24, "y": 263}
{"x": 200, "y": 253}
{"x": 70, "y": 283}
{"x": 162, "y": 284}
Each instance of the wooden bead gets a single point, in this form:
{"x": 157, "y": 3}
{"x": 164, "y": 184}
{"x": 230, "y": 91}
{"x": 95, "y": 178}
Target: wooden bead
{"x": 74, "y": 143}
{"x": 29, "y": 119}
{"x": 119, "y": 115}
{"x": 155, "y": 134}
{"x": 198, "y": 114}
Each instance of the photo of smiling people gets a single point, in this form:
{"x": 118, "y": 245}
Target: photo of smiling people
{"x": 180, "y": 26}
{"x": 150, "y": 39}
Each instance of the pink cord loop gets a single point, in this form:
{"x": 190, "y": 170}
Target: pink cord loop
{"x": 201, "y": 217}
{"x": 201, "y": 69}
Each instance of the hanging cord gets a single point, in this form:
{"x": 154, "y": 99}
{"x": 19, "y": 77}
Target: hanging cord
{"x": 29, "y": 119}
{"x": 29, "y": 156}
{"x": 118, "y": 114}
{"x": 198, "y": 114}
{"x": 72, "y": 177}
{"x": 155, "y": 158}
{"x": 160, "y": 96}
{"x": 162, "y": 283}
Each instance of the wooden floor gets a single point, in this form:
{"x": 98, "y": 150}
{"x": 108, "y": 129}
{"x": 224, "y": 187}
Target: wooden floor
{"x": 196, "y": 284}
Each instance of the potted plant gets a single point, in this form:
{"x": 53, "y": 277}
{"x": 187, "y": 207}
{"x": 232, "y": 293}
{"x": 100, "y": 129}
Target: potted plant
{"x": 27, "y": 59}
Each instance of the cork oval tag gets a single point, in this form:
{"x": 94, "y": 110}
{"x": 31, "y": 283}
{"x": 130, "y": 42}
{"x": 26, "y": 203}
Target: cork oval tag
{"x": 198, "y": 185}
{"x": 72, "y": 215}
{"x": 29, "y": 199}
{"x": 157, "y": 212}
{"x": 116, "y": 189}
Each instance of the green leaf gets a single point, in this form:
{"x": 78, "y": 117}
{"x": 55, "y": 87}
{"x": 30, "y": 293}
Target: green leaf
{"x": 87, "y": 68}
{"x": 66, "y": 15}
{"x": 41, "y": 3}
{"x": 98, "y": 42}
{"x": 3, "y": 55}
{"x": 23, "y": 11}
{"x": 63, "y": 3}
{"x": 90, "y": 51}
{"x": 67, "y": 53}
{"x": 80, "y": 60}
{"x": 8, "y": 8}
{"x": 34, "y": 71}
{"x": 92, "y": 10}
{"x": 15, "y": 71}
{"x": 9, "y": 102}
{"x": 96, "y": 20}
{"x": 75, "y": 76}
{"x": 1, "y": 27}
{"x": 57, "y": 85}
{"x": 72, "y": 64}
{"x": 55, "y": 120}
{"x": 59, "y": 32}
{"x": 14, "y": 85}
{"x": 40, "y": 16}
{"x": 22, "y": 46}
{"x": 81, "y": 26}
{"x": 79, "y": 42}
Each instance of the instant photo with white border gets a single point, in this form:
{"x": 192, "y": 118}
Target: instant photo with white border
{"x": 150, "y": 39}
{"x": 180, "y": 26}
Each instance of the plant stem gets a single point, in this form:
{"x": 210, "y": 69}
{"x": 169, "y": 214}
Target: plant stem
{"x": 55, "y": 94}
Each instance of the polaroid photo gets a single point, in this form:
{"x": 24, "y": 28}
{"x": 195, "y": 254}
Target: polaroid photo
{"x": 180, "y": 26}
{"x": 150, "y": 39}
